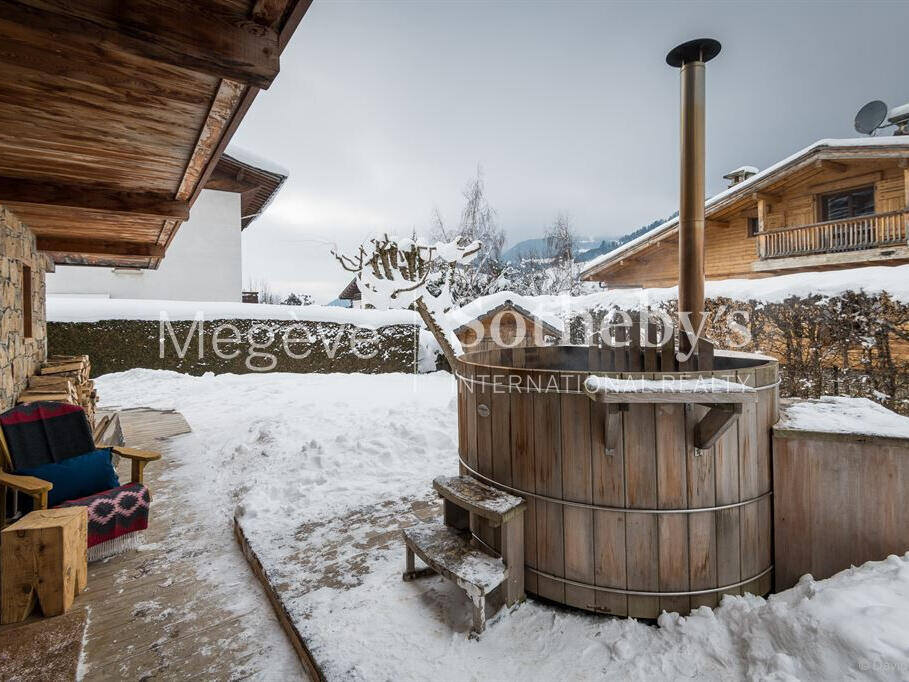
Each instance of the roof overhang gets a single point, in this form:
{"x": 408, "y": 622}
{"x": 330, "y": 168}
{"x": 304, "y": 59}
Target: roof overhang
{"x": 115, "y": 114}
{"x": 256, "y": 186}
{"x": 814, "y": 156}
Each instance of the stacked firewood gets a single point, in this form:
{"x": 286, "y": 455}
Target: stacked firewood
{"x": 64, "y": 378}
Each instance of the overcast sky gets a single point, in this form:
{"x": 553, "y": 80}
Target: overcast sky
{"x": 383, "y": 110}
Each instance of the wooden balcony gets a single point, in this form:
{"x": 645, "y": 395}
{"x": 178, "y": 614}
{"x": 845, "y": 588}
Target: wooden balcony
{"x": 836, "y": 242}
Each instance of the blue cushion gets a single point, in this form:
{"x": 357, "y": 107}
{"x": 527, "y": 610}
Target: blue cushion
{"x": 77, "y": 476}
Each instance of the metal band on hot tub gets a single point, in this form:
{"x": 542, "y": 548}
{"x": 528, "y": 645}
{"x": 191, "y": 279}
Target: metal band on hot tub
{"x": 623, "y": 510}
{"x": 635, "y": 593}
{"x": 641, "y": 593}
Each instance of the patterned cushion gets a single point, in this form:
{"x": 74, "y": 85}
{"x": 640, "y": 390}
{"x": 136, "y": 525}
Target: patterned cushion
{"x": 115, "y": 512}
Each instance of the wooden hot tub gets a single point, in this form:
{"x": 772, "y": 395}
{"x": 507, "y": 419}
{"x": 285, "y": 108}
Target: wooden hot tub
{"x": 625, "y": 514}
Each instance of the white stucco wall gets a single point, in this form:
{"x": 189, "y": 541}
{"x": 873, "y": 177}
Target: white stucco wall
{"x": 203, "y": 263}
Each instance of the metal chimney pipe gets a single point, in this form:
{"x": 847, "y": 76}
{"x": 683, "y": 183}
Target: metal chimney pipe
{"x": 691, "y": 57}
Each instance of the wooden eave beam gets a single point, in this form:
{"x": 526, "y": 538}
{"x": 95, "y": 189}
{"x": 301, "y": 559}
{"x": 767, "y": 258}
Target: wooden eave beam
{"x": 99, "y": 247}
{"x": 827, "y": 164}
{"x": 22, "y": 191}
{"x": 764, "y": 196}
{"x": 268, "y": 12}
{"x": 175, "y": 32}
{"x": 230, "y": 182}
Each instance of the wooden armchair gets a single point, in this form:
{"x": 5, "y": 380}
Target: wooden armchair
{"x": 38, "y": 489}
{"x": 58, "y": 433}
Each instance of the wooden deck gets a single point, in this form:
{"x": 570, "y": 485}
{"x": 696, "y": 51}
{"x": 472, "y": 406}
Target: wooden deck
{"x": 153, "y": 615}
{"x": 333, "y": 554}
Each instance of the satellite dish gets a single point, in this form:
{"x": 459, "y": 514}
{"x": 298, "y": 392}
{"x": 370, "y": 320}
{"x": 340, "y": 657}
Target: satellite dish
{"x": 869, "y": 117}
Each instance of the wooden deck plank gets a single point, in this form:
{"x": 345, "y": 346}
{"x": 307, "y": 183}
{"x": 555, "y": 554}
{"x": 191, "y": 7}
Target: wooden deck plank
{"x": 152, "y": 614}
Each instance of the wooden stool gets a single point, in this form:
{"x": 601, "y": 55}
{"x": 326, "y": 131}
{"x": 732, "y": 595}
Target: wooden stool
{"x": 43, "y": 558}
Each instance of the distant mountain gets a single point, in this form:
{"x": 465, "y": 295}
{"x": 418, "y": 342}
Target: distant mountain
{"x": 536, "y": 248}
{"x": 608, "y": 245}
{"x": 587, "y": 248}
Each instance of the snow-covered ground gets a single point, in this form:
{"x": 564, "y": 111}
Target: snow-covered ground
{"x": 839, "y": 414}
{"x": 280, "y": 450}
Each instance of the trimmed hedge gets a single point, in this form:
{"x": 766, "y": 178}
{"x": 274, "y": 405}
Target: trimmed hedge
{"x": 854, "y": 344}
{"x": 118, "y": 345}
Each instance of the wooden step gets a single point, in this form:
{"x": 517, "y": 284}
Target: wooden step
{"x": 450, "y": 554}
{"x": 478, "y": 498}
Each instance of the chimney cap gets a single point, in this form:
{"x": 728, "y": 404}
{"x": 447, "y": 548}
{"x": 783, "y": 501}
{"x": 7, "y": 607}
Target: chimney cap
{"x": 740, "y": 174}
{"x": 741, "y": 170}
{"x": 700, "y": 49}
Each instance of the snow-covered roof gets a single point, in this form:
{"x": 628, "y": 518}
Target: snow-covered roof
{"x": 511, "y": 306}
{"x": 744, "y": 186}
{"x": 268, "y": 175}
{"x": 901, "y": 110}
{"x": 252, "y": 159}
{"x": 841, "y": 415}
{"x": 480, "y": 307}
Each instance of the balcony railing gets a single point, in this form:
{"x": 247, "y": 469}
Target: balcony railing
{"x": 836, "y": 236}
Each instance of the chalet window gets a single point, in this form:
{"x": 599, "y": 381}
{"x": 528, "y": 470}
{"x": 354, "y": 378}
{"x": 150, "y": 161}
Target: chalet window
{"x": 754, "y": 226}
{"x": 848, "y": 204}
{"x": 27, "y": 330}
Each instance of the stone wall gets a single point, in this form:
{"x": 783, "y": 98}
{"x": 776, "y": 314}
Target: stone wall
{"x": 21, "y": 350}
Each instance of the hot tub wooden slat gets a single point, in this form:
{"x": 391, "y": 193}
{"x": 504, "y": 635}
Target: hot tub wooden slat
{"x": 579, "y": 556}
{"x": 609, "y": 561}
{"x": 608, "y": 472}
{"x": 471, "y": 421}
{"x": 577, "y": 485}
{"x": 701, "y": 527}
{"x": 672, "y": 493}
{"x": 728, "y": 524}
{"x": 522, "y": 475}
{"x": 640, "y": 456}
{"x": 548, "y": 478}
{"x": 641, "y": 533}
{"x": 479, "y": 526}
{"x": 577, "y": 478}
{"x": 501, "y": 438}
{"x": 484, "y": 427}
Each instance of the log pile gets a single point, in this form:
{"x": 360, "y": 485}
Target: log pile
{"x": 64, "y": 378}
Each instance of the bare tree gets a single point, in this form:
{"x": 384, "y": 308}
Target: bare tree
{"x": 561, "y": 240}
{"x": 562, "y": 273}
{"x": 266, "y": 294}
{"x": 478, "y": 223}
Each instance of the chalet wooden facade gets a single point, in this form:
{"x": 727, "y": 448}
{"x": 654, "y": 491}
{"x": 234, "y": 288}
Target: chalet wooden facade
{"x": 835, "y": 204}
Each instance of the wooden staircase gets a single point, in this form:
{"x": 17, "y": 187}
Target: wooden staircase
{"x": 489, "y": 578}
